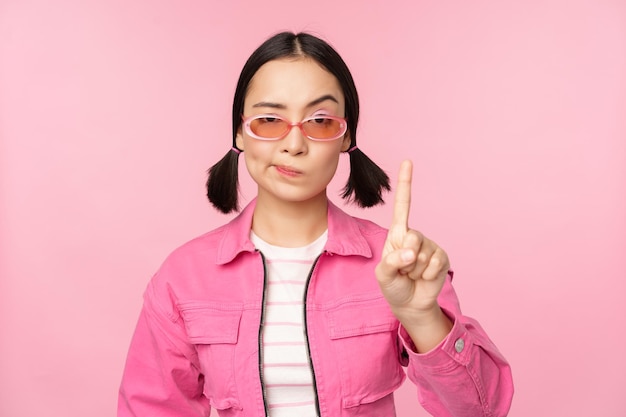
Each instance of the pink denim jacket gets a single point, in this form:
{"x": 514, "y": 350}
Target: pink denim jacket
{"x": 196, "y": 344}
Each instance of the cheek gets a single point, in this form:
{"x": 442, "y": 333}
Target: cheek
{"x": 330, "y": 160}
{"x": 253, "y": 148}
{"x": 256, "y": 154}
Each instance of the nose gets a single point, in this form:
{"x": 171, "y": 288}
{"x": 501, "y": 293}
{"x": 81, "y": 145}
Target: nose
{"x": 295, "y": 142}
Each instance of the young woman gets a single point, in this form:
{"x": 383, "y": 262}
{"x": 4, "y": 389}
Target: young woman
{"x": 295, "y": 308}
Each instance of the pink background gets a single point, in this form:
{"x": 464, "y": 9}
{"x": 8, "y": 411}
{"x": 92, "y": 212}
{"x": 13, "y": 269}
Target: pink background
{"x": 513, "y": 111}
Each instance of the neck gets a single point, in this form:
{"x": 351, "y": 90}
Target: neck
{"x": 290, "y": 224}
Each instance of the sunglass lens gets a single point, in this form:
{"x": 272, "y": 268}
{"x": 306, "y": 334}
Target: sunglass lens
{"x": 269, "y": 127}
{"x": 322, "y": 128}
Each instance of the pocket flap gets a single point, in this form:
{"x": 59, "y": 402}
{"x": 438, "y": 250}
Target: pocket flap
{"x": 211, "y": 324}
{"x": 360, "y": 317}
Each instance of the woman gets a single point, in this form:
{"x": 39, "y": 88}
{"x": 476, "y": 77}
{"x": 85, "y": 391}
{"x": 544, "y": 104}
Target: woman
{"x": 294, "y": 307}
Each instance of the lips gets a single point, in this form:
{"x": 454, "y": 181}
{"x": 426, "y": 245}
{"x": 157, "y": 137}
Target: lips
{"x": 285, "y": 170}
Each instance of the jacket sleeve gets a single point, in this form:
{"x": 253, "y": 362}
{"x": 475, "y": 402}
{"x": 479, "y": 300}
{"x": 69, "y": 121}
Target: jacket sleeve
{"x": 161, "y": 377}
{"x": 465, "y": 375}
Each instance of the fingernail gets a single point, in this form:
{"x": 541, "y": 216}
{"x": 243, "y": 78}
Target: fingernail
{"x": 407, "y": 255}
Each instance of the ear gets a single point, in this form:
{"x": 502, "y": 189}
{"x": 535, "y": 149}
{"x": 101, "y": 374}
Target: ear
{"x": 346, "y": 142}
{"x": 239, "y": 139}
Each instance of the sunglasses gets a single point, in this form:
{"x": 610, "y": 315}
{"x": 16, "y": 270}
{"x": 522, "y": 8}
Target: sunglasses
{"x": 273, "y": 127}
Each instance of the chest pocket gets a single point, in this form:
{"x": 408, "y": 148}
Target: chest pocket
{"x": 363, "y": 334}
{"x": 214, "y": 330}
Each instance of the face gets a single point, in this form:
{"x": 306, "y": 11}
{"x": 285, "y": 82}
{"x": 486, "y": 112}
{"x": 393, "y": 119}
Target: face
{"x": 294, "y": 168}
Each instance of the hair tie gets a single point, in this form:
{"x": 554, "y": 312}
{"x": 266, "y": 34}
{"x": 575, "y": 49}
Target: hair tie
{"x": 351, "y": 149}
{"x": 236, "y": 150}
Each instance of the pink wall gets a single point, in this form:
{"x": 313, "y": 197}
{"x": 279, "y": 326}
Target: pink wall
{"x": 514, "y": 113}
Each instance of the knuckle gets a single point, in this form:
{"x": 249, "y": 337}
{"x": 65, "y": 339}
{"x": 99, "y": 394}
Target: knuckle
{"x": 440, "y": 259}
{"x": 416, "y": 237}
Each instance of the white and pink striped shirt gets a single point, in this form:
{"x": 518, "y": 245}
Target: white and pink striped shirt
{"x": 287, "y": 371}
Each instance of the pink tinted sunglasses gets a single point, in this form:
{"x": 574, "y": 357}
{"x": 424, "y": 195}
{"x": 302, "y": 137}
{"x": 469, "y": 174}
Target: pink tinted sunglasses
{"x": 273, "y": 127}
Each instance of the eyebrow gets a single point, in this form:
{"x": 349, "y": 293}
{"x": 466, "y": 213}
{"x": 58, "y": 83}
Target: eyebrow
{"x": 311, "y": 104}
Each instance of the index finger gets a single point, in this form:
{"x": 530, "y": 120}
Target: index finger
{"x": 402, "y": 200}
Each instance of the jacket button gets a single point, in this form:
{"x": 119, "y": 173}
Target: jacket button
{"x": 459, "y": 345}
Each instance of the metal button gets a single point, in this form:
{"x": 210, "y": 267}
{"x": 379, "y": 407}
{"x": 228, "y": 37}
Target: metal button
{"x": 459, "y": 345}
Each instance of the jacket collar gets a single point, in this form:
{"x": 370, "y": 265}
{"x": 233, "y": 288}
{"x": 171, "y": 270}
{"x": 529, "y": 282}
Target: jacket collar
{"x": 344, "y": 235}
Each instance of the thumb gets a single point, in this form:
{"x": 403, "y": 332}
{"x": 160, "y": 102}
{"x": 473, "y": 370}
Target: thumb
{"x": 394, "y": 262}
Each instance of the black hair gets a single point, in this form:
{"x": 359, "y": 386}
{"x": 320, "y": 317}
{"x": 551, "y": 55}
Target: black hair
{"x": 366, "y": 181}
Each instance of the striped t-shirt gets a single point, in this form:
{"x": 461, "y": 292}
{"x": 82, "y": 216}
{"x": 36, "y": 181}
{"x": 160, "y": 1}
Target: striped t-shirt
{"x": 287, "y": 374}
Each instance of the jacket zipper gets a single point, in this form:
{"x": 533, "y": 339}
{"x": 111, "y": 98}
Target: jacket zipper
{"x": 261, "y": 324}
{"x": 306, "y": 335}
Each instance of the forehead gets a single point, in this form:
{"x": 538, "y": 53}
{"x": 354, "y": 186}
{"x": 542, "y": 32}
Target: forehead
{"x": 292, "y": 82}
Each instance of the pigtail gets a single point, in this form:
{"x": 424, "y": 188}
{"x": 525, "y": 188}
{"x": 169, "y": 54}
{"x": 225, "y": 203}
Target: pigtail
{"x": 366, "y": 182}
{"x": 223, "y": 185}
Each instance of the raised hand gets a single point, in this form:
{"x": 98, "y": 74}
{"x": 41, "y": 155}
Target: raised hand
{"x": 412, "y": 271}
